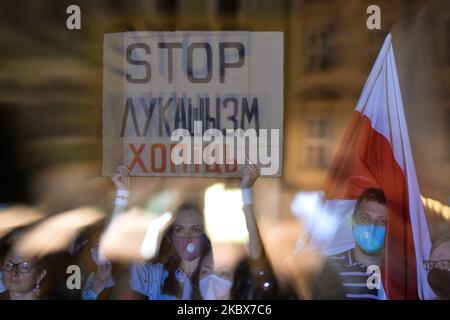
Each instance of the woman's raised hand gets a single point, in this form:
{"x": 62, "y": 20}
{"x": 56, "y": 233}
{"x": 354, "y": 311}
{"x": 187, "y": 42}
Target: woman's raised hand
{"x": 121, "y": 178}
{"x": 249, "y": 174}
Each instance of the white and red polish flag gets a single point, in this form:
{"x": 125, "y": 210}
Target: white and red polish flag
{"x": 375, "y": 153}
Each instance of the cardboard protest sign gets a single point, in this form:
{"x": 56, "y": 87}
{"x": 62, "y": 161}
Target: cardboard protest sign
{"x": 192, "y": 103}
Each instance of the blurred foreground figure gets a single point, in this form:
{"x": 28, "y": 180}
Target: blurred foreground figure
{"x": 254, "y": 278}
{"x": 438, "y": 267}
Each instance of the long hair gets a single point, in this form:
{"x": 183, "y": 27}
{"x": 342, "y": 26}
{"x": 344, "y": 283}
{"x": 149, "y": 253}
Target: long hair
{"x": 171, "y": 260}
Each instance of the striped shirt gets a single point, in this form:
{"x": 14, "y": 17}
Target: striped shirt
{"x": 354, "y": 277}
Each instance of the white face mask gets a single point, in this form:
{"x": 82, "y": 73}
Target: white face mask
{"x": 213, "y": 287}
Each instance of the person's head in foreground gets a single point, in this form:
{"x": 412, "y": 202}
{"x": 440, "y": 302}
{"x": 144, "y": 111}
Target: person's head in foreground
{"x": 369, "y": 223}
{"x": 187, "y": 247}
{"x": 22, "y": 276}
{"x": 438, "y": 267}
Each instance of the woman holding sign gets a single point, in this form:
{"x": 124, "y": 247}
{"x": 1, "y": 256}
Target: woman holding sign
{"x": 185, "y": 258}
{"x": 184, "y": 268}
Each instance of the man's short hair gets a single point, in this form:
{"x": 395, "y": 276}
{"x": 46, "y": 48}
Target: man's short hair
{"x": 371, "y": 194}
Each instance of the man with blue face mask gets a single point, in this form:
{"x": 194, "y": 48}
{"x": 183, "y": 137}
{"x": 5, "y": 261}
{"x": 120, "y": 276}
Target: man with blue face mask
{"x": 359, "y": 269}
{"x": 369, "y": 227}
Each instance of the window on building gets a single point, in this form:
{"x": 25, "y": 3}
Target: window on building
{"x": 319, "y": 51}
{"x": 116, "y": 7}
{"x": 448, "y": 41}
{"x": 448, "y": 132}
{"x": 166, "y": 7}
{"x": 318, "y": 143}
{"x": 227, "y": 12}
{"x": 227, "y": 7}
{"x": 376, "y": 39}
{"x": 54, "y": 12}
{"x": 318, "y": 129}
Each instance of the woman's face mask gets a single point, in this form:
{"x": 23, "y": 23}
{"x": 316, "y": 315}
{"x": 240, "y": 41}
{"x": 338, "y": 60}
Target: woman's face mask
{"x": 369, "y": 237}
{"x": 188, "y": 236}
{"x": 439, "y": 281}
{"x": 213, "y": 287}
{"x": 189, "y": 248}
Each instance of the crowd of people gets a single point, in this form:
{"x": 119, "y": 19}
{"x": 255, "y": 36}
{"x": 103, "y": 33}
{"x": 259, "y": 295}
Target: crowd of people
{"x": 184, "y": 267}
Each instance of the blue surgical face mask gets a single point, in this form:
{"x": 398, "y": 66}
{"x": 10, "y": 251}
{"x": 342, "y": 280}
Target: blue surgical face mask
{"x": 369, "y": 237}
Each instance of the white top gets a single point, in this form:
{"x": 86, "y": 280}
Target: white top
{"x": 148, "y": 279}
{"x": 88, "y": 293}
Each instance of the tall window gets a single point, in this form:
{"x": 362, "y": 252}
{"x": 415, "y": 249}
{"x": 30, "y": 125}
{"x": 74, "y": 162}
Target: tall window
{"x": 318, "y": 143}
{"x": 166, "y": 7}
{"x": 227, "y": 7}
{"x": 376, "y": 39}
{"x": 227, "y": 12}
{"x": 319, "y": 51}
{"x": 448, "y": 41}
{"x": 448, "y": 132}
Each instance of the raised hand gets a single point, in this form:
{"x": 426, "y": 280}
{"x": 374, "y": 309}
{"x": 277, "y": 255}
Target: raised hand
{"x": 249, "y": 174}
{"x": 121, "y": 178}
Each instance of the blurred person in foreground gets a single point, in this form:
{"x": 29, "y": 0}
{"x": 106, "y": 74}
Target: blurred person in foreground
{"x": 100, "y": 274}
{"x": 438, "y": 267}
{"x": 345, "y": 275}
{"x": 254, "y": 277}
